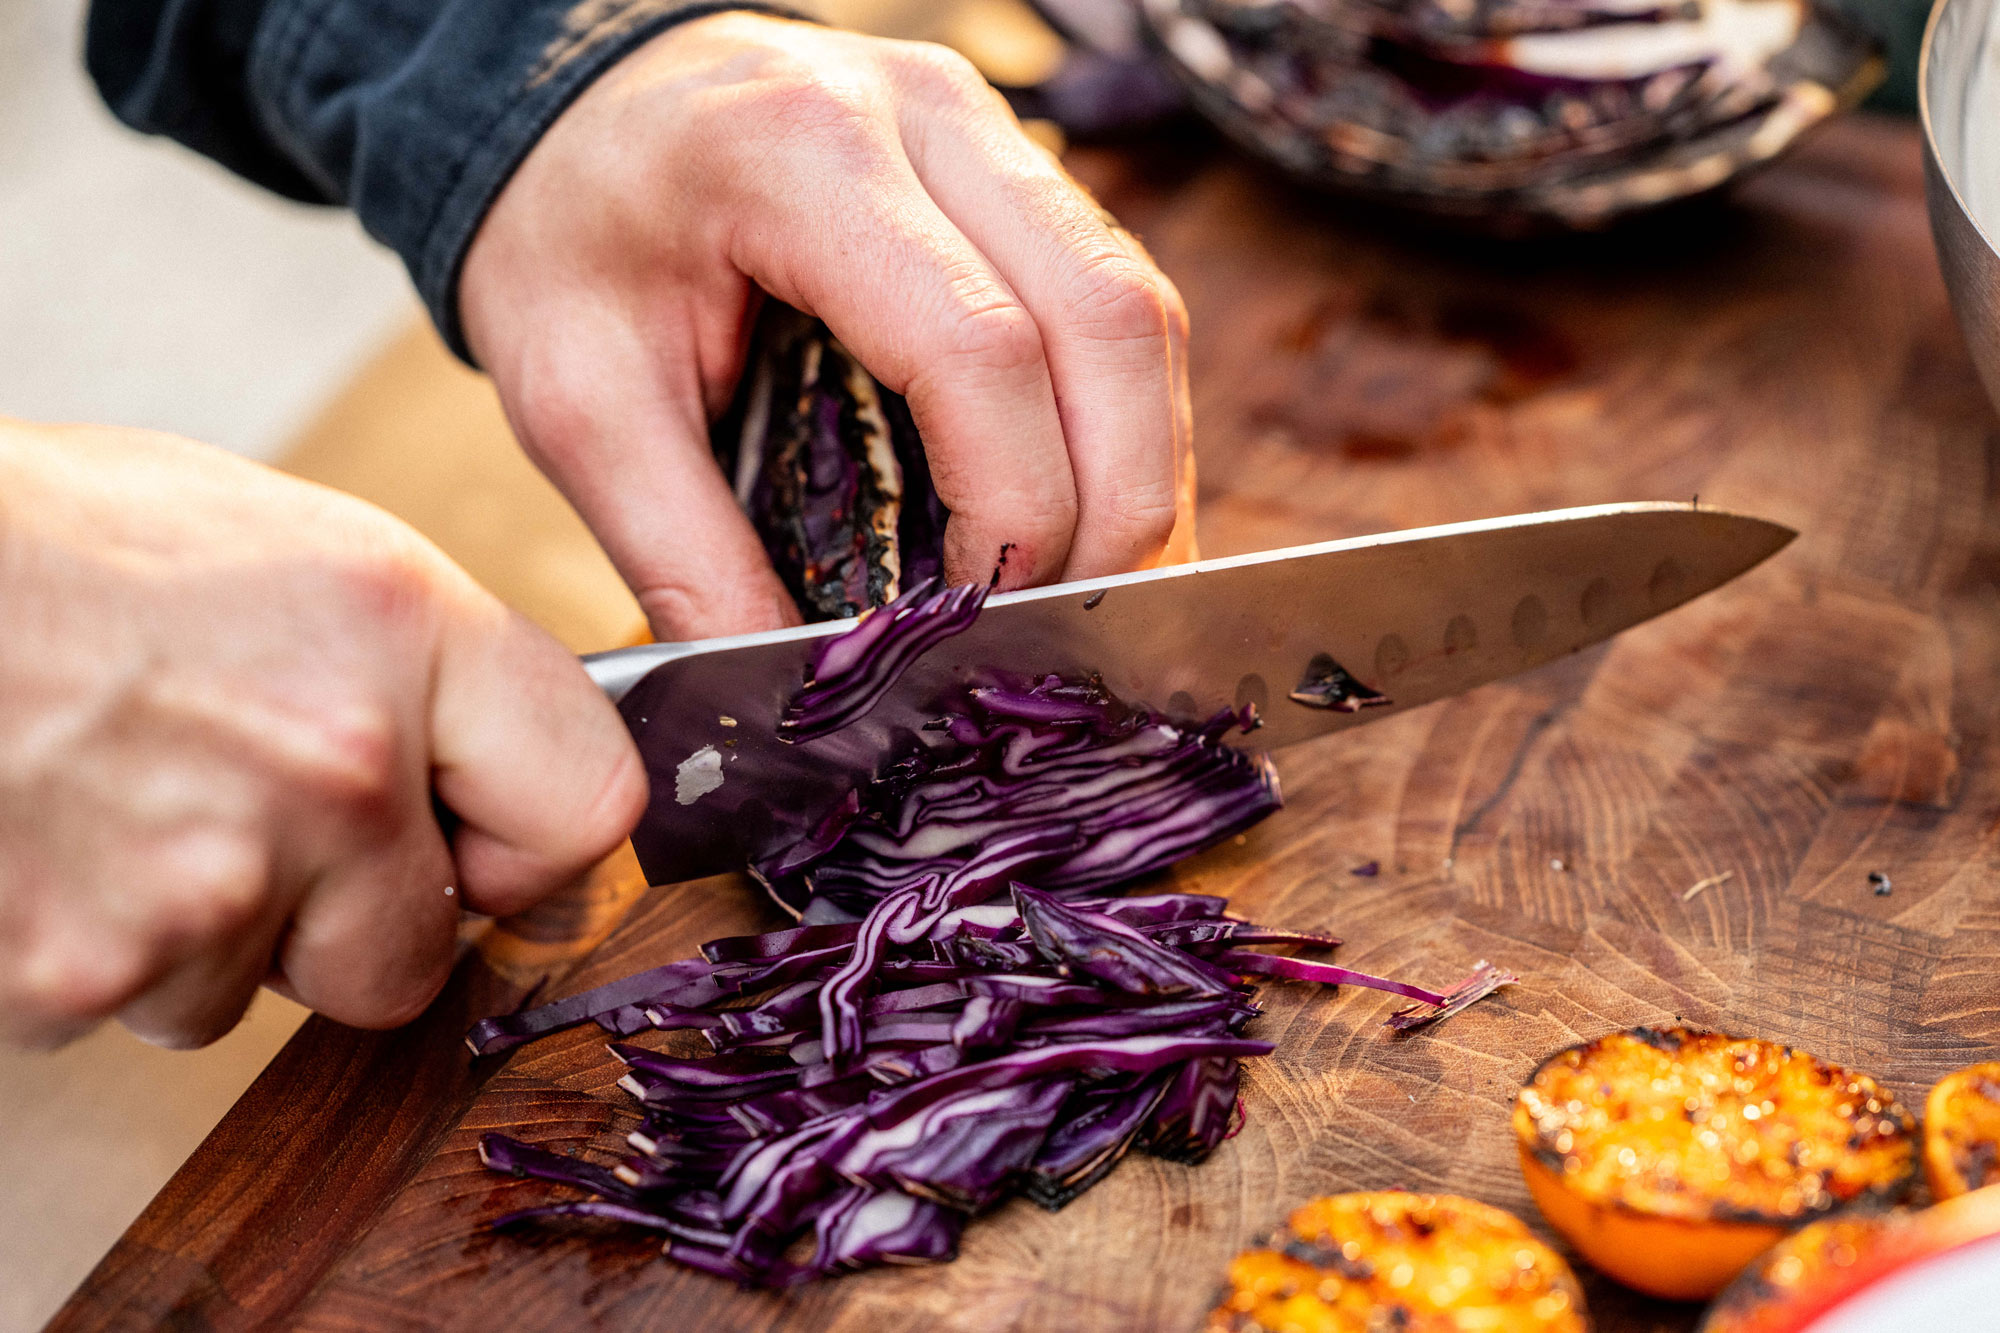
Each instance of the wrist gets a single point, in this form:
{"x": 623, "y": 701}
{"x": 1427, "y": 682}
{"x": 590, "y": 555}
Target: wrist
{"x": 561, "y": 74}
{"x": 419, "y": 125}
{"x": 619, "y": 164}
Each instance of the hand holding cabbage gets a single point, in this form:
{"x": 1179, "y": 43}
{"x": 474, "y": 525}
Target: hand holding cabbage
{"x": 884, "y": 188}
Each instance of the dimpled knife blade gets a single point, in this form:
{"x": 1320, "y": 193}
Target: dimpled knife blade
{"x": 1416, "y": 615}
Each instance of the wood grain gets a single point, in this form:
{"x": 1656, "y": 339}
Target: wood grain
{"x": 1790, "y": 354}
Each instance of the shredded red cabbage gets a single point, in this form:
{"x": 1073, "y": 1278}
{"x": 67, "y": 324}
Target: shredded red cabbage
{"x": 863, "y": 1110}
{"x": 852, "y": 671}
{"x": 1105, "y": 792}
{"x": 830, "y": 470}
{"x": 936, "y": 1033}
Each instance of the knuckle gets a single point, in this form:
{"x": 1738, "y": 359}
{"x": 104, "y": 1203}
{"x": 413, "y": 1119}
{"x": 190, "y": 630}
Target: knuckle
{"x": 64, "y": 989}
{"x": 388, "y": 579}
{"x": 212, "y": 885}
{"x": 1119, "y": 299}
{"x": 350, "y": 759}
{"x": 997, "y": 336}
{"x": 798, "y": 101}
{"x": 939, "y": 71}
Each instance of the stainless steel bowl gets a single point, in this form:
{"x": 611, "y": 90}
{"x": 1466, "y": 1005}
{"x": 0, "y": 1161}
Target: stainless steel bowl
{"x": 1960, "y": 102}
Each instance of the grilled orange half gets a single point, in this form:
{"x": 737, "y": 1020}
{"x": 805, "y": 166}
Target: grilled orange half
{"x": 1820, "y": 1269}
{"x": 1962, "y": 1131}
{"x": 1417, "y": 1263}
{"x": 1670, "y": 1158}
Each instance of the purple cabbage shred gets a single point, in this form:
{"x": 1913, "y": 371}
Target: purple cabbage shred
{"x": 1093, "y": 792}
{"x": 966, "y": 1010}
{"x": 858, "y": 1110}
{"x": 852, "y": 671}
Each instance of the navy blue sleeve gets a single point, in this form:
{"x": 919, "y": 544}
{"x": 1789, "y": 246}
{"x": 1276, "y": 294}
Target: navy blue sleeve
{"x": 412, "y": 112}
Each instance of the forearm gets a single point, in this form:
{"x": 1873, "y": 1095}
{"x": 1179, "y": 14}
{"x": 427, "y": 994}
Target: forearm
{"x": 412, "y": 112}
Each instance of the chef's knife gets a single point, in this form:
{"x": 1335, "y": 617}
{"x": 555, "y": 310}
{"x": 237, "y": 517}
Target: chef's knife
{"x": 1416, "y": 615}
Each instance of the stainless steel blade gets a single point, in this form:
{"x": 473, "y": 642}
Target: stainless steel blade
{"x": 1418, "y": 615}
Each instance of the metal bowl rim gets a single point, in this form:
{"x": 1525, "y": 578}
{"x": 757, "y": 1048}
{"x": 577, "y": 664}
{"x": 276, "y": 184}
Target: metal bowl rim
{"x": 1947, "y": 176}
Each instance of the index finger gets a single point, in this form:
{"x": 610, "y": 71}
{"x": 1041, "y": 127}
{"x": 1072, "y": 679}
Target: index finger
{"x": 924, "y": 311}
{"x": 531, "y": 757}
{"x": 1105, "y": 312}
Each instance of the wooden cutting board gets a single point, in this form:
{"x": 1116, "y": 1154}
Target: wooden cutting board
{"x": 1832, "y": 714}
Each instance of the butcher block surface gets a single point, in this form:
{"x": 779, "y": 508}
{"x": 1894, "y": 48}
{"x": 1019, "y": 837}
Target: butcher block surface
{"x": 1679, "y": 825}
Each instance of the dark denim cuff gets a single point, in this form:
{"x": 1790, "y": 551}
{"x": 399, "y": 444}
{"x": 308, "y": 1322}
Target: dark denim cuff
{"x": 415, "y": 115}
{"x": 178, "y": 68}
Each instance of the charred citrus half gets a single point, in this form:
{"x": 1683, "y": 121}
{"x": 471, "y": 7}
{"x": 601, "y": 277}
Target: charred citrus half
{"x": 1417, "y": 1263}
{"x": 1791, "y": 1282}
{"x": 1962, "y": 1131}
{"x": 1819, "y": 1269}
{"x": 1671, "y": 1158}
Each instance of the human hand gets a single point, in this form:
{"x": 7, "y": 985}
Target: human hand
{"x": 227, "y": 699}
{"x": 885, "y": 188}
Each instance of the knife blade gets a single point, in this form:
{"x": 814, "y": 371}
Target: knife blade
{"x": 1417, "y": 615}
